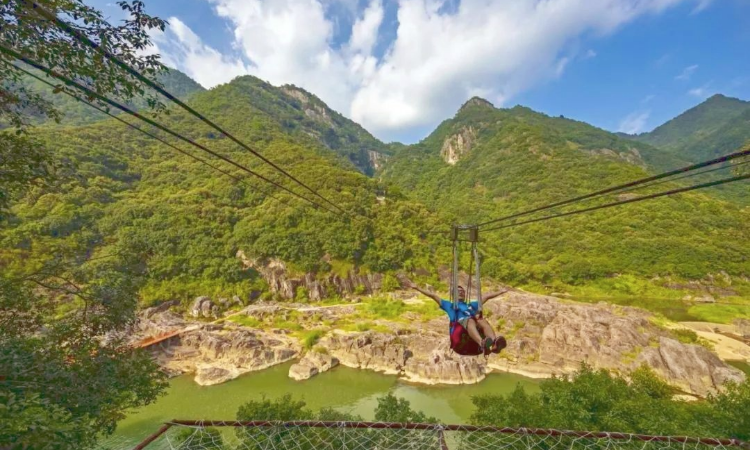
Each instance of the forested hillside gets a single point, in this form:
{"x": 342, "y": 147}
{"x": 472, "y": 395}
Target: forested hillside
{"x": 709, "y": 129}
{"x": 72, "y": 112}
{"x": 714, "y": 128}
{"x": 120, "y": 192}
{"x": 488, "y": 162}
{"x": 302, "y": 114}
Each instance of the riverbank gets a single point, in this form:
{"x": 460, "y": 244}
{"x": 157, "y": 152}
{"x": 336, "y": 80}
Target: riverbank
{"x": 406, "y": 336}
{"x": 356, "y": 392}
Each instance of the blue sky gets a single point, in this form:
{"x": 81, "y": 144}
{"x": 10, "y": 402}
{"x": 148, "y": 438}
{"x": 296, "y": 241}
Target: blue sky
{"x": 399, "y": 67}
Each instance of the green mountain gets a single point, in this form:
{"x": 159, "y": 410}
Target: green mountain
{"x": 303, "y": 115}
{"x": 716, "y": 127}
{"x": 75, "y": 113}
{"x": 487, "y": 162}
{"x": 119, "y": 192}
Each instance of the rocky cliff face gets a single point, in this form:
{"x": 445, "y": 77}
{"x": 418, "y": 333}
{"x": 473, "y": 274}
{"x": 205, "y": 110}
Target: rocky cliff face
{"x": 424, "y": 358}
{"x": 553, "y": 337}
{"x": 280, "y": 282}
{"x": 458, "y": 145}
{"x": 217, "y": 353}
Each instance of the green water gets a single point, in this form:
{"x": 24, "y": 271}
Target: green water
{"x": 345, "y": 389}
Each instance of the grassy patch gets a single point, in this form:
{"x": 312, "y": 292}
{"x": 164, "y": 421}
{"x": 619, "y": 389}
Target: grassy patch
{"x": 285, "y": 324}
{"x": 246, "y": 321}
{"x": 720, "y": 313}
{"x": 310, "y": 338}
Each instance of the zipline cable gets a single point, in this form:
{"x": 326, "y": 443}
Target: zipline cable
{"x": 153, "y": 136}
{"x": 644, "y": 186}
{"x": 632, "y": 200}
{"x": 690, "y": 175}
{"x": 641, "y": 181}
{"x": 43, "y": 12}
{"x": 124, "y": 108}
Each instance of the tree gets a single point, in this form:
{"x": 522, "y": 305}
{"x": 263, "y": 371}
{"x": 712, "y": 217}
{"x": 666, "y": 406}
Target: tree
{"x": 27, "y": 33}
{"x": 67, "y": 372}
{"x": 597, "y": 400}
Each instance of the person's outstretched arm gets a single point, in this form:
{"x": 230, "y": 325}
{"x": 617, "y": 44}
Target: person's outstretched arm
{"x": 491, "y": 295}
{"x": 410, "y": 284}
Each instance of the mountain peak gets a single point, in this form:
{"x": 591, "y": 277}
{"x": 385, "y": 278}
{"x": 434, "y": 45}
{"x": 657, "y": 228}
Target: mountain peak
{"x": 476, "y": 102}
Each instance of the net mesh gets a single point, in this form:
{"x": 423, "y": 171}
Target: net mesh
{"x": 211, "y": 435}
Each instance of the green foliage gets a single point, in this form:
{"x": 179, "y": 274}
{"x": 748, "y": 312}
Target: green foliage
{"x": 24, "y": 164}
{"x": 393, "y": 409}
{"x": 385, "y": 308}
{"x": 62, "y": 385}
{"x": 311, "y": 338}
{"x": 55, "y": 369}
{"x": 601, "y": 401}
{"x": 390, "y": 283}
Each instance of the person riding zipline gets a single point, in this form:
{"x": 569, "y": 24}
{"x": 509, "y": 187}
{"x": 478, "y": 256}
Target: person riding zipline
{"x": 468, "y": 315}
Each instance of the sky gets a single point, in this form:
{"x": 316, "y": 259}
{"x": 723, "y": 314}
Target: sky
{"x": 400, "y": 67}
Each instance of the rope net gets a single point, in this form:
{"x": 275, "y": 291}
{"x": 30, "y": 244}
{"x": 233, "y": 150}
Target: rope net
{"x": 305, "y": 435}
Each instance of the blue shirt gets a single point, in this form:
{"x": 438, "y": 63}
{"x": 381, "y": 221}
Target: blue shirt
{"x": 464, "y": 309}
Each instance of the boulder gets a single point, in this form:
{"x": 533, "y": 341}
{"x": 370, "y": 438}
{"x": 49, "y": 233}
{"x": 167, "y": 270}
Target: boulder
{"x": 691, "y": 368}
{"x": 312, "y": 364}
{"x": 208, "y": 376}
{"x": 197, "y": 308}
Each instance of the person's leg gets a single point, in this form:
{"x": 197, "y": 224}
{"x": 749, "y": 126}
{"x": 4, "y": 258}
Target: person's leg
{"x": 486, "y": 328}
{"x": 471, "y": 327}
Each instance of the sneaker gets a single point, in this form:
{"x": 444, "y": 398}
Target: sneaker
{"x": 488, "y": 343}
{"x": 499, "y": 344}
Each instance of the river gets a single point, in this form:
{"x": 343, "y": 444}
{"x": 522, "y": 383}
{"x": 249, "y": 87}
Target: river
{"x": 351, "y": 390}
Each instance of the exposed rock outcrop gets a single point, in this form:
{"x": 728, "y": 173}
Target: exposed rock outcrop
{"x": 280, "y": 282}
{"x": 204, "y": 307}
{"x": 458, "y": 145}
{"x": 218, "y": 353}
{"x": 556, "y": 337}
{"x": 691, "y": 368}
{"x": 546, "y": 336}
{"x": 376, "y": 159}
{"x": 423, "y": 358}
{"x": 312, "y": 364}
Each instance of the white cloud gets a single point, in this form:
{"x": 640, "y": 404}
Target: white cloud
{"x": 702, "y": 4}
{"x": 634, "y": 123}
{"x": 499, "y": 48}
{"x": 702, "y": 92}
{"x": 648, "y": 98}
{"x": 686, "y": 73}
{"x": 589, "y": 54}
{"x": 183, "y": 49}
